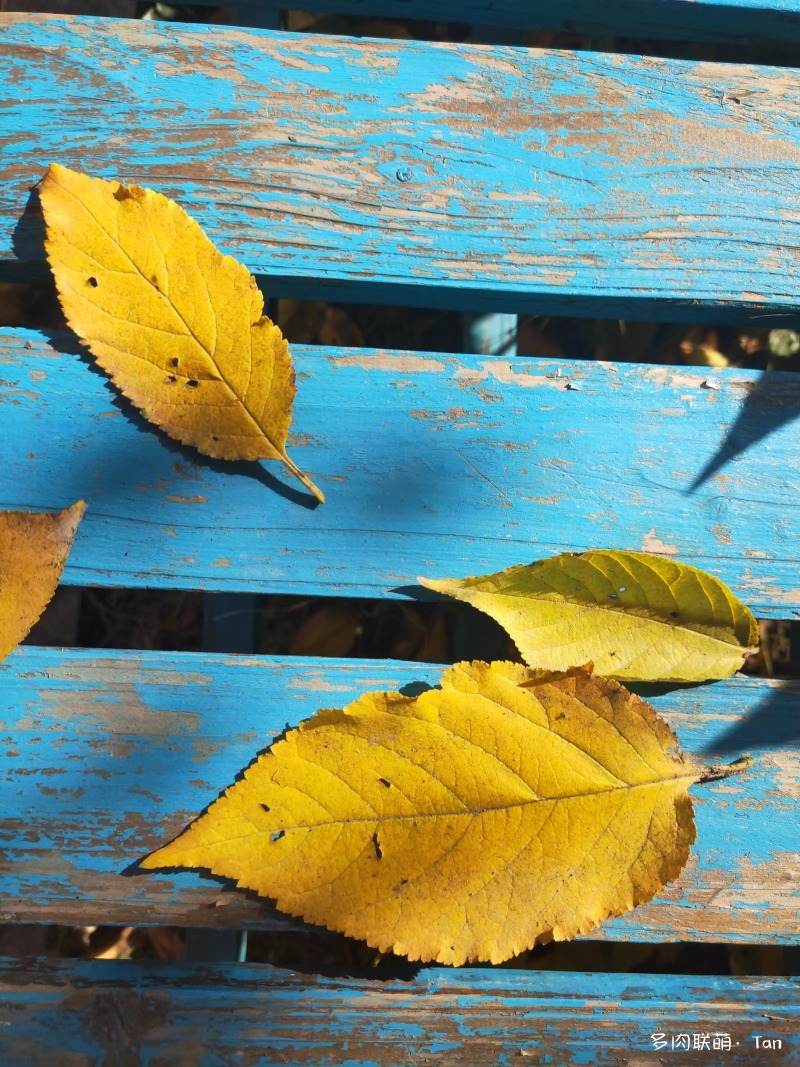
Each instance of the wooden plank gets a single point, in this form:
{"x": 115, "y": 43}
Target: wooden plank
{"x": 479, "y": 178}
{"x": 734, "y": 22}
{"x": 102, "y": 1012}
{"x": 105, "y": 756}
{"x": 431, "y": 464}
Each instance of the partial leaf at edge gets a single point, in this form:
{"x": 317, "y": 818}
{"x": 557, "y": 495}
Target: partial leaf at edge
{"x": 636, "y": 616}
{"x": 33, "y": 550}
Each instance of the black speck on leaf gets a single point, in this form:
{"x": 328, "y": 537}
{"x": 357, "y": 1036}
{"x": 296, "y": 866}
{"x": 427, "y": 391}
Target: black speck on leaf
{"x": 385, "y": 781}
{"x": 93, "y": 282}
{"x": 378, "y": 849}
{"x": 174, "y": 361}
{"x": 192, "y": 383}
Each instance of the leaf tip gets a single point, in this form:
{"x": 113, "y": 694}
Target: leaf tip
{"x": 160, "y": 859}
{"x": 438, "y": 585}
{"x": 53, "y": 171}
{"x": 69, "y": 519}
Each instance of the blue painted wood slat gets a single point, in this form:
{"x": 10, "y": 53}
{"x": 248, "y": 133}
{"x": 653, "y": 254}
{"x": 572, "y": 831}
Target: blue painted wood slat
{"x": 104, "y": 1013}
{"x": 107, "y": 755}
{"x": 576, "y": 182}
{"x": 431, "y": 464}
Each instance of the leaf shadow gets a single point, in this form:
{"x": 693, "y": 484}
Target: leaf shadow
{"x": 774, "y": 723}
{"x": 28, "y": 236}
{"x": 650, "y": 690}
{"x": 64, "y": 341}
{"x": 770, "y": 403}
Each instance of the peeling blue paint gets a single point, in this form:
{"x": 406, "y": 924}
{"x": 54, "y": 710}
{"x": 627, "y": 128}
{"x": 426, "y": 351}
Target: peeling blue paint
{"x": 576, "y": 199}
{"x": 105, "y": 756}
{"x": 476, "y": 464}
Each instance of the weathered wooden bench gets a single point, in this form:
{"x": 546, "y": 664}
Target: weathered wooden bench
{"x": 482, "y": 179}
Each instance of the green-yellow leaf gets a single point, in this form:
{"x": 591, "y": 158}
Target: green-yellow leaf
{"x": 635, "y": 616}
{"x": 508, "y": 807}
{"x": 176, "y": 324}
{"x": 33, "y": 551}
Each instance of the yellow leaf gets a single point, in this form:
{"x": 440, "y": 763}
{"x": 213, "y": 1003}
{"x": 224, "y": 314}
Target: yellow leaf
{"x": 635, "y": 616}
{"x": 177, "y": 325}
{"x": 705, "y": 356}
{"x": 508, "y": 807}
{"x": 33, "y": 551}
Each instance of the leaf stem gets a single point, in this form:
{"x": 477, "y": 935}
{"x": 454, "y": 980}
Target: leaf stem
{"x": 716, "y": 774}
{"x": 320, "y": 496}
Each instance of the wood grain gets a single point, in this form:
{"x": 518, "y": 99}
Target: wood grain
{"x": 479, "y": 178}
{"x": 431, "y": 464}
{"x": 106, "y": 756}
{"x": 123, "y": 1013}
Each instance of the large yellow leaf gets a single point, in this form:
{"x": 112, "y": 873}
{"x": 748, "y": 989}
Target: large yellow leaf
{"x": 636, "y": 616}
{"x": 176, "y": 324}
{"x": 33, "y": 551}
{"x": 508, "y": 807}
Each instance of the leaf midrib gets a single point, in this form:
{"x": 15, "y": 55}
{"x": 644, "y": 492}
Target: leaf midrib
{"x": 474, "y": 813}
{"x": 620, "y": 609}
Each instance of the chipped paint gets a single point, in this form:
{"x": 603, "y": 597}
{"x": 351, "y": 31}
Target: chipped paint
{"x": 652, "y": 543}
{"x": 387, "y": 361}
{"x": 181, "y": 726}
{"x": 86, "y": 1010}
{"x": 722, "y": 534}
{"x": 675, "y": 379}
{"x": 139, "y": 528}
{"x": 188, "y": 473}
{"x": 502, "y": 370}
{"x": 597, "y": 198}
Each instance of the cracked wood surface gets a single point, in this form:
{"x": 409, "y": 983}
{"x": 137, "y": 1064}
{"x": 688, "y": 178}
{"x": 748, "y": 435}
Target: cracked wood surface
{"x": 133, "y": 1013}
{"x": 105, "y": 756}
{"x": 433, "y": 174}
{"x": 441, "y": 466}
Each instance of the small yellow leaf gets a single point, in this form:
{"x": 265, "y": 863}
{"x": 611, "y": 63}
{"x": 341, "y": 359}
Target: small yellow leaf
{"x": 508, "y": 807}
{"x": 33, "y": 551}
{"x": 636, "y": 616}
{"x": 176, "y": 324}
